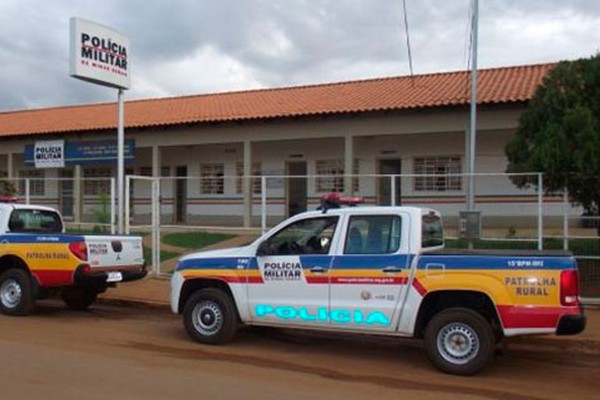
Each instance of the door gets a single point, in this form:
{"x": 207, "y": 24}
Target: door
{"x": 180, "y": 194}
{"x": 67, "y": 193}
{"x": 369, "y": 277}
{"x": 294, "y": 264}
{"x": 296, "y": 188}
{"x": 389, "y": 167}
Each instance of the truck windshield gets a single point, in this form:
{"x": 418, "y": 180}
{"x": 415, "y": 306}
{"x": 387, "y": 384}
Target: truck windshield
{"x": 432, "y": 234}
{"x": 38, "y": 221}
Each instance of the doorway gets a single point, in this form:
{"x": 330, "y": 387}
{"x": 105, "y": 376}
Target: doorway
{"x": 296, "y": 187}
{"x": 180, "y": 194}
{"x": 67, "y": 193}
{"x": 389, "y": 167}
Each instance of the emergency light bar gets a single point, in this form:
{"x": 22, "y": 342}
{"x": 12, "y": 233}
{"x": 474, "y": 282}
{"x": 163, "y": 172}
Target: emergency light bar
{"x": 335, "y": 200}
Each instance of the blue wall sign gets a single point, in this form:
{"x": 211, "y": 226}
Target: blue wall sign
{"x": 90, "y": 152}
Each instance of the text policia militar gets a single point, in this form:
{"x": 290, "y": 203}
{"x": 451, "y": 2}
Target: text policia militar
{"x": 103, "y": 50}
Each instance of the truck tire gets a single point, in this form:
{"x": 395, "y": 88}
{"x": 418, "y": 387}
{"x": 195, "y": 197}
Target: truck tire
{"x": 210, "y": 316}
{"x": 459, "y": 341}
{"x": 16, "y": 292}
{"x": 79, "y": 299}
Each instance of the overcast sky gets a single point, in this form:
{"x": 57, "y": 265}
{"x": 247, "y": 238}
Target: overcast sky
{"x": 182, "y": 47}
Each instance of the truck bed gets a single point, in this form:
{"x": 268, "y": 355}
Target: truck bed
{"x": 502, "y": 252}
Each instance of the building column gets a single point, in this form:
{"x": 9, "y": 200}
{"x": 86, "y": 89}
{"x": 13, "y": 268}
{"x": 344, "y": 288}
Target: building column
{"x": 77, "y": 193}
{"x": 156, "y": 161}
{"x": 10, "y": 166}
{"x": 247, "y": 184}
{"x": 348, "y": 164}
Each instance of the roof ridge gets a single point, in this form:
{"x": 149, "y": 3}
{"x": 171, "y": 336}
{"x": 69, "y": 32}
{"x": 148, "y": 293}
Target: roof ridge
{"x": 56, "y": 107}
{"x": 275, "y": 89}
{"x": 328, "y": 84}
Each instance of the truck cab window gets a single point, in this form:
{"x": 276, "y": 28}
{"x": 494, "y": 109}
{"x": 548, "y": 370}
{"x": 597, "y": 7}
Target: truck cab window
{"x": 373, "y": 234}
{"x": 432, "y": 234}
{"x": 35, "y": 221}
{"x": 308, "y": 236}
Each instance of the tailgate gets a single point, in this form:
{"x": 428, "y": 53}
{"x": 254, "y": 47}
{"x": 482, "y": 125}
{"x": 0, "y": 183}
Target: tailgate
{"x": 114, "y": 252}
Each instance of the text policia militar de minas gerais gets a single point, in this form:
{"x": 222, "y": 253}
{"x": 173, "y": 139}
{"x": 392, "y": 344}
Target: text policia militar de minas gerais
{"x": 103, "y": 50}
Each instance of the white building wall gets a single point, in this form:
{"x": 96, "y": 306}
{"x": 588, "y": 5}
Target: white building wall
{"x": 379, "y": 136}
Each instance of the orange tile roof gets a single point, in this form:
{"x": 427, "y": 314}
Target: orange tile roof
{"x": 496, "y": 86}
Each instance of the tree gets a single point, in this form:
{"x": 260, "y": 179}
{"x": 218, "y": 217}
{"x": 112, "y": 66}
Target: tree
{"x": 7, "y": 188}
{"x": 559, "y": 134}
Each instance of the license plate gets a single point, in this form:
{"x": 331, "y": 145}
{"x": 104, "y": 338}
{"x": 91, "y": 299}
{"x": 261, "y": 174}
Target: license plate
{"x": 114, "y": 277}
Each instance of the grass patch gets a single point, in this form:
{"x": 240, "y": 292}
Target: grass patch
{"x": 194, "y": 240}
{"x": 164, "y": 255}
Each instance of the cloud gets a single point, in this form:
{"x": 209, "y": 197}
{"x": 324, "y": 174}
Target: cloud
{"x": 189, "y": 47}
{"x": 205, "y": 70}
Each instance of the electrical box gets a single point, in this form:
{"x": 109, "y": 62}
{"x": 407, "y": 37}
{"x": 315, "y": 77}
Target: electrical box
{"x": 469, "y": 225}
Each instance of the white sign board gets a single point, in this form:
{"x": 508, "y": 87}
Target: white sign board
{"x": 99, "y": 54}
{"x": 49, "y": 154}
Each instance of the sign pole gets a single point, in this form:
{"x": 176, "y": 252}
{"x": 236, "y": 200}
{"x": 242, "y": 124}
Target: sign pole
{"x": 120, "y": 161}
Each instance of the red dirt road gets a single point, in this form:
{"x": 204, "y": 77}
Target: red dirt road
{"x": 115, "y": 352}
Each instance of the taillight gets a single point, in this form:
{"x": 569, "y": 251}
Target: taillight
{"x": 569, "y": 288}
{"x": 79, "y": 250}
{"x": 84, "y": 269}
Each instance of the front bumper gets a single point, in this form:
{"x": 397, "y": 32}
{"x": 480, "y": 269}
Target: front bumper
{"x": 177, "y": 282}
{"x": 571, "y": 324}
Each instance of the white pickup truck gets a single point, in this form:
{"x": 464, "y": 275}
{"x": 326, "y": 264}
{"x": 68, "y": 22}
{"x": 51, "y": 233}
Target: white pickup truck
{"x": 383, "y": 271}
{"x": 38, "y": 260}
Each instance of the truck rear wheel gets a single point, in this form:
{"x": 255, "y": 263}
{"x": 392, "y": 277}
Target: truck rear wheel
{"x": 79, "y": 299}
{"x": 210, "y": 316}
{"x": 16, "y": 292}
{"x": 459, "y": 341}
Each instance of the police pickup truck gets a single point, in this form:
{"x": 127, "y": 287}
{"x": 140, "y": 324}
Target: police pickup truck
{"x": 380, "y": 271}
{"x": 38, "y": 260}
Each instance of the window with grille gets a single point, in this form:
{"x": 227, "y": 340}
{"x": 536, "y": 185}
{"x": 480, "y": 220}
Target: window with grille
{"x": 439, "y": 167}
{"x": 212, "y": 181}
{"x": 335, "y": 168}
{"x": 37, "y": 186}
{"x": 96, "y": 181}
{"x": 239, "y": 171}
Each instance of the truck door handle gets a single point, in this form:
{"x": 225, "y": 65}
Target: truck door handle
{"x": 391, "y": 269}
{"x": 318, "y": 270}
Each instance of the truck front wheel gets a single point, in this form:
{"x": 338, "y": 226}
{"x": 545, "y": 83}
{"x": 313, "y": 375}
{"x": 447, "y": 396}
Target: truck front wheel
{"x": 210, "y": 317}
{"x": 459, "y": 341}
{"x": 16, "y": 292}
{"x": 78, "y": 298}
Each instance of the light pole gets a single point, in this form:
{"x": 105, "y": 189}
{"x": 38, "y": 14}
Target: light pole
{"x": 473, "y": 118}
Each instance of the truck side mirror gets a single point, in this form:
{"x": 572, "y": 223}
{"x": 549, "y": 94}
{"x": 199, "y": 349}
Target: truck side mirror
{"x": 263, "y": 249}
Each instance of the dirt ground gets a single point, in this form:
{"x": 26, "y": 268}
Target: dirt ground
{"x": 125, "y": 352}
